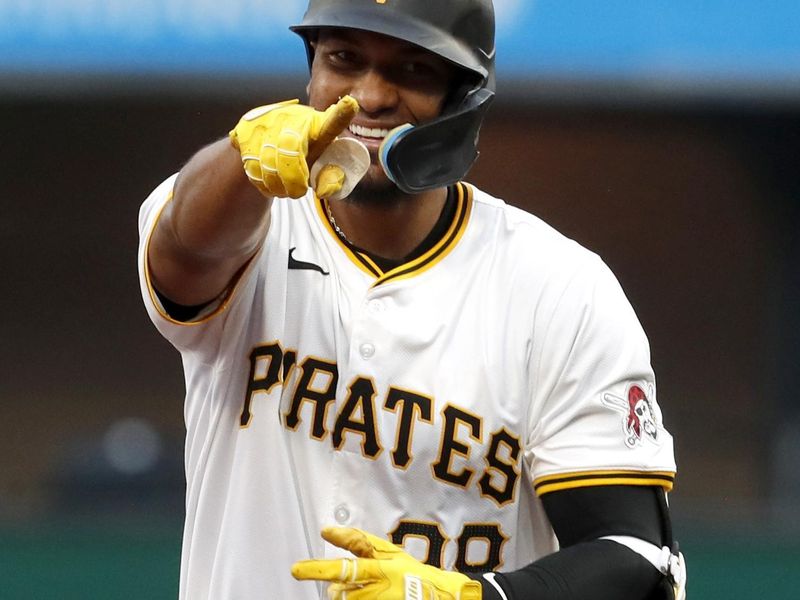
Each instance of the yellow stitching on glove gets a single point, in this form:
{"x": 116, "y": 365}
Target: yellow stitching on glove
{"x": 382, "y": 571}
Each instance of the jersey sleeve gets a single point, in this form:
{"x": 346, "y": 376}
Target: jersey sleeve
{"x": 595, "y": 419}
{"x": 201, "y": 334}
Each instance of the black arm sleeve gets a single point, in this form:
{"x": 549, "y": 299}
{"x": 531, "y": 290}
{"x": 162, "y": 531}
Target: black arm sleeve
{"x": 587, "y": 567}
{"x": 583, "y": 514}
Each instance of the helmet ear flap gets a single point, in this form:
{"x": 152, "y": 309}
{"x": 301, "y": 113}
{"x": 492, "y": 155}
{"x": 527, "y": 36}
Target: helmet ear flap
{"x": 437, "y": 153}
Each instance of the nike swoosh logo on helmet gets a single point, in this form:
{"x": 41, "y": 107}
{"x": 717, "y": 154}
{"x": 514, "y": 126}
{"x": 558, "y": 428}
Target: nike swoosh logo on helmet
{"x": 489, "y": 56}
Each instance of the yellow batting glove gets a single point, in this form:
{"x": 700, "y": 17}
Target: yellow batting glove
{"x": 279, "y": 141}
{"x": 382, "y": 571}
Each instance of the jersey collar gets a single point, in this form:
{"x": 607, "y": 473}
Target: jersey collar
{"x": 418, "y": 265}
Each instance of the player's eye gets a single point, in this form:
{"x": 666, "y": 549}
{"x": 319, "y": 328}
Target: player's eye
{"x": 418, "y": 69}
{"x": 343, "y": 58}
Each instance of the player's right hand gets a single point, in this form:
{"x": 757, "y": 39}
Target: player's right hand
{"x": 279, "y": 141}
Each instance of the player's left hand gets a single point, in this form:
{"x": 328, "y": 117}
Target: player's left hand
{"x": 382, "y": 571}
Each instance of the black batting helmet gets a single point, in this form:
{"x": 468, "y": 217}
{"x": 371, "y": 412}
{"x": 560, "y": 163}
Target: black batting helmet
{"x": 441, "y": 151}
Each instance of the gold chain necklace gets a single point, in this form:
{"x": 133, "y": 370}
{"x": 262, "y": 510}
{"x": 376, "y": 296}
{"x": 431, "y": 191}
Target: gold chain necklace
{"x": 336, "y": 228}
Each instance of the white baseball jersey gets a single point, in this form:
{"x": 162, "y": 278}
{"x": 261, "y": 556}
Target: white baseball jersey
{"x": 432, "y": 404}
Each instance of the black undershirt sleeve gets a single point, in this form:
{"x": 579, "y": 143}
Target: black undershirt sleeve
{"x": 179, "y": 312}
{"x": 587, "y": 567}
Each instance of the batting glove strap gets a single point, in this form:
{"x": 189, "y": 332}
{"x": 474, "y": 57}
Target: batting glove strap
{"x": 676, "y": 572}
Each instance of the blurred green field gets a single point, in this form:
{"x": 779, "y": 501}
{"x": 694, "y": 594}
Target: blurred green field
{"x": 80, "y": 560}
{"x": 139, "y": 560}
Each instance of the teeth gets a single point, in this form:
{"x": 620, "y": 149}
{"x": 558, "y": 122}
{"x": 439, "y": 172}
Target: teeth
{"x": 368, "y": 132}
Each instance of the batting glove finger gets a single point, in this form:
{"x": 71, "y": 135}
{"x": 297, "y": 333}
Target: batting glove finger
{"x": 360, "y": 543}
{"x": 290, "y": 156}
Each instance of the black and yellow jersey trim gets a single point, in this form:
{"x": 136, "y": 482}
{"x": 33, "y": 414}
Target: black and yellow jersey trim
{"x": 420, "y": 264}
{"x": 566, "y": 481}
{"x": 217, "y": 306}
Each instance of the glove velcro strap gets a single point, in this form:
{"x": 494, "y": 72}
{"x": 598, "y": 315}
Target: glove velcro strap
{"x": 413, "y": 590}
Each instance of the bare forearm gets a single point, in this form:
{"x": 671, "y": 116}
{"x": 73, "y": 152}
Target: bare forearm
{"x": 214, "y": 224}
{"x": 216, "y": 212}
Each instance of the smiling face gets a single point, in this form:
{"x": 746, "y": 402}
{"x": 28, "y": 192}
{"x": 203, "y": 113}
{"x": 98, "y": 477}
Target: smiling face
{"x": 393, "y": 81}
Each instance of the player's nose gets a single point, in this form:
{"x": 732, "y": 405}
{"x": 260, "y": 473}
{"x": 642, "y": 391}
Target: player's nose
{"x": 375, "y": 93}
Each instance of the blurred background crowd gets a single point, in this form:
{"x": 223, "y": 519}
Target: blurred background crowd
{"x": 664, "y": 135}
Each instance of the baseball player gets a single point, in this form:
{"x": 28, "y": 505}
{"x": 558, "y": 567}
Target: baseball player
{"x": 397, "y": 386}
